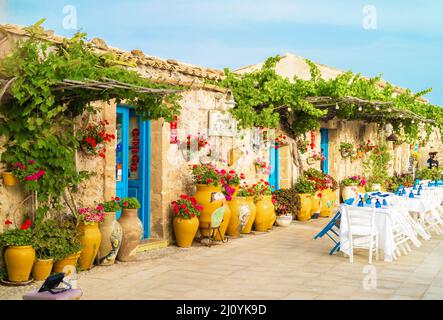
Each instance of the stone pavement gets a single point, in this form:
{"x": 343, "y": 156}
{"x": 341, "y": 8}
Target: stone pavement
{"x": 282, "y": 264}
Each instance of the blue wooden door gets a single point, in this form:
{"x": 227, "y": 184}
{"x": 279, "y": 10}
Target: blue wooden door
{"x": 122, "y": 153}
{"x": 274, "y": 178}
{"x": 325, "y": 150}
{"x": 134, "y": 157}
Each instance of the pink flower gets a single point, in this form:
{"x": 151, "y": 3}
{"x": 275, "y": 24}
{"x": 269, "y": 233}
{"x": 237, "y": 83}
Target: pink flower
{"x": 31, "y": 161}
{"x": 99, "y": 208}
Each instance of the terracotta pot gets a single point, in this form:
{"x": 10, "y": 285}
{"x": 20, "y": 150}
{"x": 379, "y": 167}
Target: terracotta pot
{"x": 248, "y": 227}
{"x": 349, "y": 192}
{"x": 304, "y": 213}
{"x": 265, "y": 214}
{"x": 42, "y": 269}
{"x": 112, "y": 235}
{"x": 9, "y": 179}
{"x": 327, "y": 203}
{"x": 132, "y": 235}
{"x": 91, "y": 240}
{"x": 70, "y": 260}
{"x": 315, "y": 204}
{"x": 210, "y": 198}
{"x": 19, "y": 261}
{"x": 240, "y": 213}
{"x": 185, "y": 231}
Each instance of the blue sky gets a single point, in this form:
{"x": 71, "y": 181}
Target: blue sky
{"x": 406, "y": 47}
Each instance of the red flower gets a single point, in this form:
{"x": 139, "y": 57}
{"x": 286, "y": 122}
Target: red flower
{"x": 8, "y": 222}
{"x": 26, "y": 225}
{"x": 125, "y": 204}
{"x": 209, "y": 181}
{"x": 242, "y": 176}
{"x": 183, "y": 206}
{"x": 184, "y": 197}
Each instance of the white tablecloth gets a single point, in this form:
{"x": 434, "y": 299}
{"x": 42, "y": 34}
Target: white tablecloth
{"x": 383, "y": 226}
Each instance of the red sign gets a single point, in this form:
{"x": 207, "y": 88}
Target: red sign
{"x": 312, "y": 139}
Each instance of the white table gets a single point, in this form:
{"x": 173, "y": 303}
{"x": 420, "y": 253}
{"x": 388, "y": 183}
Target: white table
{"x": 383, "y": 225}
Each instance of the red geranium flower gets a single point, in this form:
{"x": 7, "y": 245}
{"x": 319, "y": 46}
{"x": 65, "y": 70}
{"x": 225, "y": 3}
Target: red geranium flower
{"x": 8, "y": 222}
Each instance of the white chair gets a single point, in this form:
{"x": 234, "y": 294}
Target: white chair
{"x": 362, "y": 233}
{"x": 400, "y": 206}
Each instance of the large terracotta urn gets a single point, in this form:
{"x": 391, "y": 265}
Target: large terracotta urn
{"x": 19, "y": 262}
{"x": 185, "y": 231}
{"x": 315, "y": 204}
{"x": 132, "y": 235}
{"x": 304, "y": 214}
{"x": 211, "y": 199}
{"x": 327, "y": 203}
{"x": 265, "y": 214}
{"x": 349, "y": 192}
{"x": 240, "y": 213}
{"x": 91, "y": 240}
{"x": 112, "y": 235}
{"x": 248, "y": 227}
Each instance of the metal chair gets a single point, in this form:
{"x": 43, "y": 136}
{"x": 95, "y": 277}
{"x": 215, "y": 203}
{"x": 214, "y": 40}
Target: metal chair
{"x": 332, "y": 230}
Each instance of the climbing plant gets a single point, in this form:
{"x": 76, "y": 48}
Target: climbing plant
{"x": 266, "y": 99}
{"x": 37, "y": 116}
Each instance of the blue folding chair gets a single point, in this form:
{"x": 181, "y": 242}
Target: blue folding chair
{"x": 332, "y": 230}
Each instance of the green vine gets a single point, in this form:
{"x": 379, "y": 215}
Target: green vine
{"x": 266, "y": 99}
{"x": 38, "y": 117}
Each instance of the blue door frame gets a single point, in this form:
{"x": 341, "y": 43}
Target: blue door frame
{"x": 274, "y": 178}
{"x": 138, "y": 184}
{"x": 325, "y": 150}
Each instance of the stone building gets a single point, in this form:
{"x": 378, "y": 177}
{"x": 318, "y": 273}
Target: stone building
{"x": 164, "y": 168}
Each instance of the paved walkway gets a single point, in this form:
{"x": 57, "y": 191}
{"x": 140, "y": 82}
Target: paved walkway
{"x": 283, "y": 264}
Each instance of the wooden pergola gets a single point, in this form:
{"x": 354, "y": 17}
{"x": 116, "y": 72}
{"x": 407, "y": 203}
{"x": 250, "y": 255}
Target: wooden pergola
{"x": 368, "y": 110}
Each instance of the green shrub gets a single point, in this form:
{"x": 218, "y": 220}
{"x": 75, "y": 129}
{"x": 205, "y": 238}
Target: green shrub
{"x": 130, "y": 203}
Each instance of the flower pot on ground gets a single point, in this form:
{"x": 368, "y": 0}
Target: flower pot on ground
{"x": 19, "y": 255}
{"x": 69, "y": 261}
{"x": 111, "y": 232}
{"x": 265, "y": 216}
{"x": 286, "y": 201}
{"x": 9, "y": 179}
{"x": 304, "y": 214}
{"x": 240, "y": 213}
{"x": 253, "y": 209}
{"x": 315, "y": 205}
{"x": 46, "y": 238}
{"x": 132, "y": 229}
{"x": 65, "y": 244}
{"x": 90, "y": 218}
{"x": 305, "y": 189}
{"x": 186, "y": 211}
{"x": 209, "y": 194}
{"x": 42, "y": 269}
{"x": 327, "y": 203}
{"x": 284, "y": 220}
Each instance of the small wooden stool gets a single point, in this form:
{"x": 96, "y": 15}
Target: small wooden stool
{"x": 72, "y": 294}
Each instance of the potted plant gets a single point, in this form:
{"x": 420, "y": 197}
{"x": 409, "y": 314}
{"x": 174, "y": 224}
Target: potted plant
{"x": 67, "y": 246}
{"x": 209, "y": 193}
{"x": 132, "y": 229}
{"x": 346, "y": 149}
{"x": 45, "y": 237}
{"x": 89, "y": 220}
{"x": 30, "y": 172}
{"x": 186, "y": 211}
{"x": 302, "y": 146}
{"x": 247, "y": 193}
{"x": 19, "y": 254}
{"x": 350, "y": 187}
{"x": 93, "y": 138}
{"x": 111, "y": 232}
{"x": 304, "y": 188}
{"x": 266, "y": 216}
{"x": 282, "y": 206}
